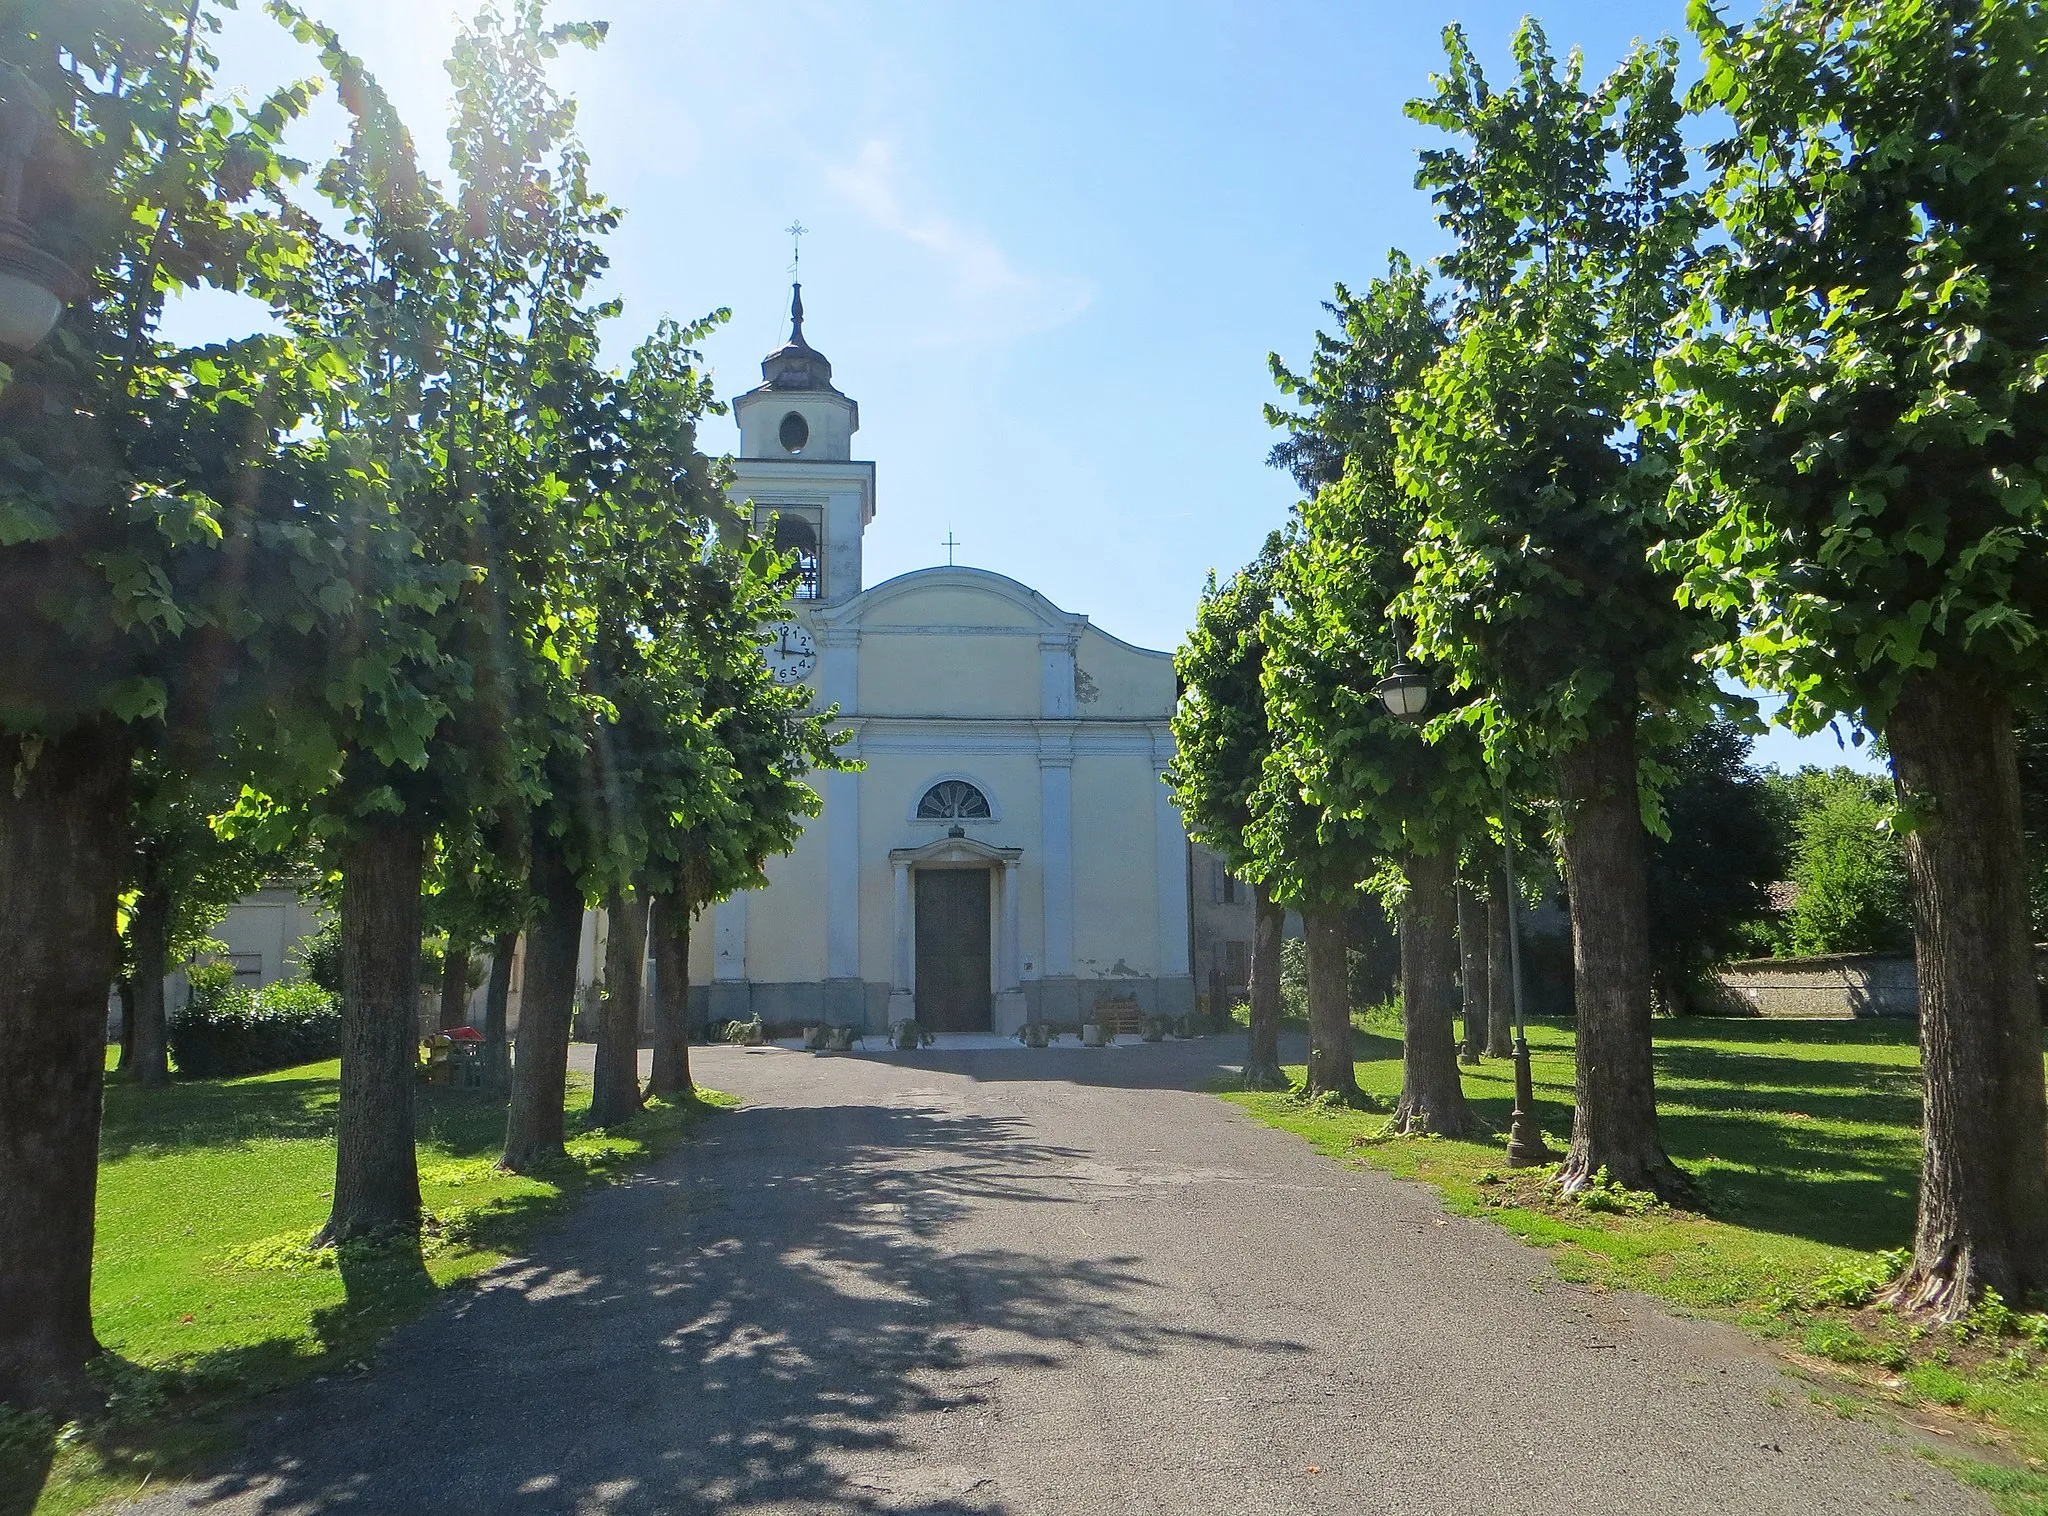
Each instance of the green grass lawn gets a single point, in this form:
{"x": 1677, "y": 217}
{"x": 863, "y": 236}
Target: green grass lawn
{"x": 1805, "y": 1140}
{"x": 204, "y": 1292}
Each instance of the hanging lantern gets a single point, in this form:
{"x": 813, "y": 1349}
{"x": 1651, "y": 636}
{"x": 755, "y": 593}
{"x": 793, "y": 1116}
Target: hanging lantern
{"x": 1405, "y": 692}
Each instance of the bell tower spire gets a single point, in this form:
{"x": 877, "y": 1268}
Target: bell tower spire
{"x": 796, "y": 460}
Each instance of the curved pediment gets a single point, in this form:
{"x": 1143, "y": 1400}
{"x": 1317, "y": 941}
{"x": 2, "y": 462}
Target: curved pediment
{"x": 954, "y": 597}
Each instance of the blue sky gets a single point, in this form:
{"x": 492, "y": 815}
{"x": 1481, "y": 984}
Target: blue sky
{"x": 1050, "y": 244}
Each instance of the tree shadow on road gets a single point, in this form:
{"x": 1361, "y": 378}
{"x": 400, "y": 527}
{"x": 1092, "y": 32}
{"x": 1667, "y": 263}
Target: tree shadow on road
{"x": 1201, "y": 1063}
{"x": 774, "y": 1319}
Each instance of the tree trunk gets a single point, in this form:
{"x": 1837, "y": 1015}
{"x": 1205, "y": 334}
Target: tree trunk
{"x": 497, "y": 996}
{"x": 1330, "y": 1068}
{"x": 1262, "y": 1039}
{"x": 615, "y": 1084}
{"x": 1432, "y": 1096}
{"x": 124, "y": 992}
{"x": 1472, "y": 949}
{"x": 63, "y": 851}
{"x": 1500, "y": 977}
{"x": 670, "y": 930}
{"x": 454, "y": 985}
{"x": 1615, "y": 1125}
{"x": 149, "y": 932}
{"x": 533, "y": 1123}
{"x": 376, "y": 1174}
{"x": 1983, "y": 1174}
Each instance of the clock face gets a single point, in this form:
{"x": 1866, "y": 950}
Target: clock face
{"x": 790, "y": 651}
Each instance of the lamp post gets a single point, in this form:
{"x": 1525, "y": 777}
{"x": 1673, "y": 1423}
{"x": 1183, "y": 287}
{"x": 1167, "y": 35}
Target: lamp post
{"x": 1405, "y": 694}
{"x": 34, "y": 286}
{"x": 1525, "y": 1138}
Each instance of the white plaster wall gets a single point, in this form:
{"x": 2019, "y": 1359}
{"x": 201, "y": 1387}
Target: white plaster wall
{"x": 949, "y": 676}
{"x": 974, "y": 671}
{"x": 270, "y": 924}
{"x": 1131, "y": 684}
{"x": 1115, "y": 898}
{"x": 786, "y": 921}
{"x": 700, "y": 946}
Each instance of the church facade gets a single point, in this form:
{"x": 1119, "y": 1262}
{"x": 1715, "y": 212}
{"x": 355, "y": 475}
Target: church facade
{"x": 1009, "y": 850}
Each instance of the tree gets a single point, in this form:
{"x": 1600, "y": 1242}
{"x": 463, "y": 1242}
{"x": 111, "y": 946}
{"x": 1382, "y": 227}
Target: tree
{"x": 1372, "y": 776}
{"x": 1221, "y": 741}
{"x": 1533, "y": 583}
{"x": 472, "y": 407}
{"x": 615, "y": 1085}
{"x": 1857, "y": 392}
{"x": 767, "y": 742}
{"x": 1315, "y": 860}
{"x": 163, "y": 552}
{"x": 1711, "y": 869}
{"x": 1473, "y": 985}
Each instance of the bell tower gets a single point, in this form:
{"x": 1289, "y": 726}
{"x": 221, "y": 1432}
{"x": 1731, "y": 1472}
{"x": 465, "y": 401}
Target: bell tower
{"x": 796, "y": 463}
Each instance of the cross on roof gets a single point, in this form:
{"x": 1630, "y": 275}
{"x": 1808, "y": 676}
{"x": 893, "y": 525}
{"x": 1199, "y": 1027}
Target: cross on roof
{"x": 949, "y": 544}
{"x": 796, "y": 230}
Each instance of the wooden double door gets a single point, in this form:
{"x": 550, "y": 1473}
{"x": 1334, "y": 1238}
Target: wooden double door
{"x": 953, "y": 950}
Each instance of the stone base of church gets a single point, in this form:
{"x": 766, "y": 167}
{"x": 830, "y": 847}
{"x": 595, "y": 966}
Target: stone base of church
{"x": 835, "y": 1002}
{"x": 845, "y": 1002}
{"x": 873, "y": 1008}
{"x": 724, "y": 1000}
{"x": 1010, "y": 1013}
{"x": 1055, "y": 1000}
{"x": 1067, "y": 1002}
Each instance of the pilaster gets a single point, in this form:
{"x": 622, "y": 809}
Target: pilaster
{"x": 1056, "y": 846}
{"x": 1170, "y": 866}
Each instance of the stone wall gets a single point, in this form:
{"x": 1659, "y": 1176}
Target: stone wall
{"x": 1833, "y": 988}
{"x": 1840, "y": 987}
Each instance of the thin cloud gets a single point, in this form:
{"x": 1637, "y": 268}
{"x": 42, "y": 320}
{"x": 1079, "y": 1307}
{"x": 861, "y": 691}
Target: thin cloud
{"x": 989, "y": 296}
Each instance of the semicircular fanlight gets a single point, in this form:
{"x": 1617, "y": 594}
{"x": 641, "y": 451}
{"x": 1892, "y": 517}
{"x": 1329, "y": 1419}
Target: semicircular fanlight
{"x": 953, "y": 800}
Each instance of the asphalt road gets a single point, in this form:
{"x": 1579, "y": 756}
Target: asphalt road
{"x": 1046, "y": 1282}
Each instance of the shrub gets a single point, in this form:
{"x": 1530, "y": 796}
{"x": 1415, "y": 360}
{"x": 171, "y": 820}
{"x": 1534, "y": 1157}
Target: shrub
{"x": 319, "y": 956}
{"x": 1848, "y": 861}
{"x": 1851, "y": 872}
{"x": 225, "y": 1032}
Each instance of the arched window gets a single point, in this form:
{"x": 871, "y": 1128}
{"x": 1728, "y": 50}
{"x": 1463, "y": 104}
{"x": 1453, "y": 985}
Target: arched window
{"x": 953, "y": 800}
{"x": 793, "y": 534}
